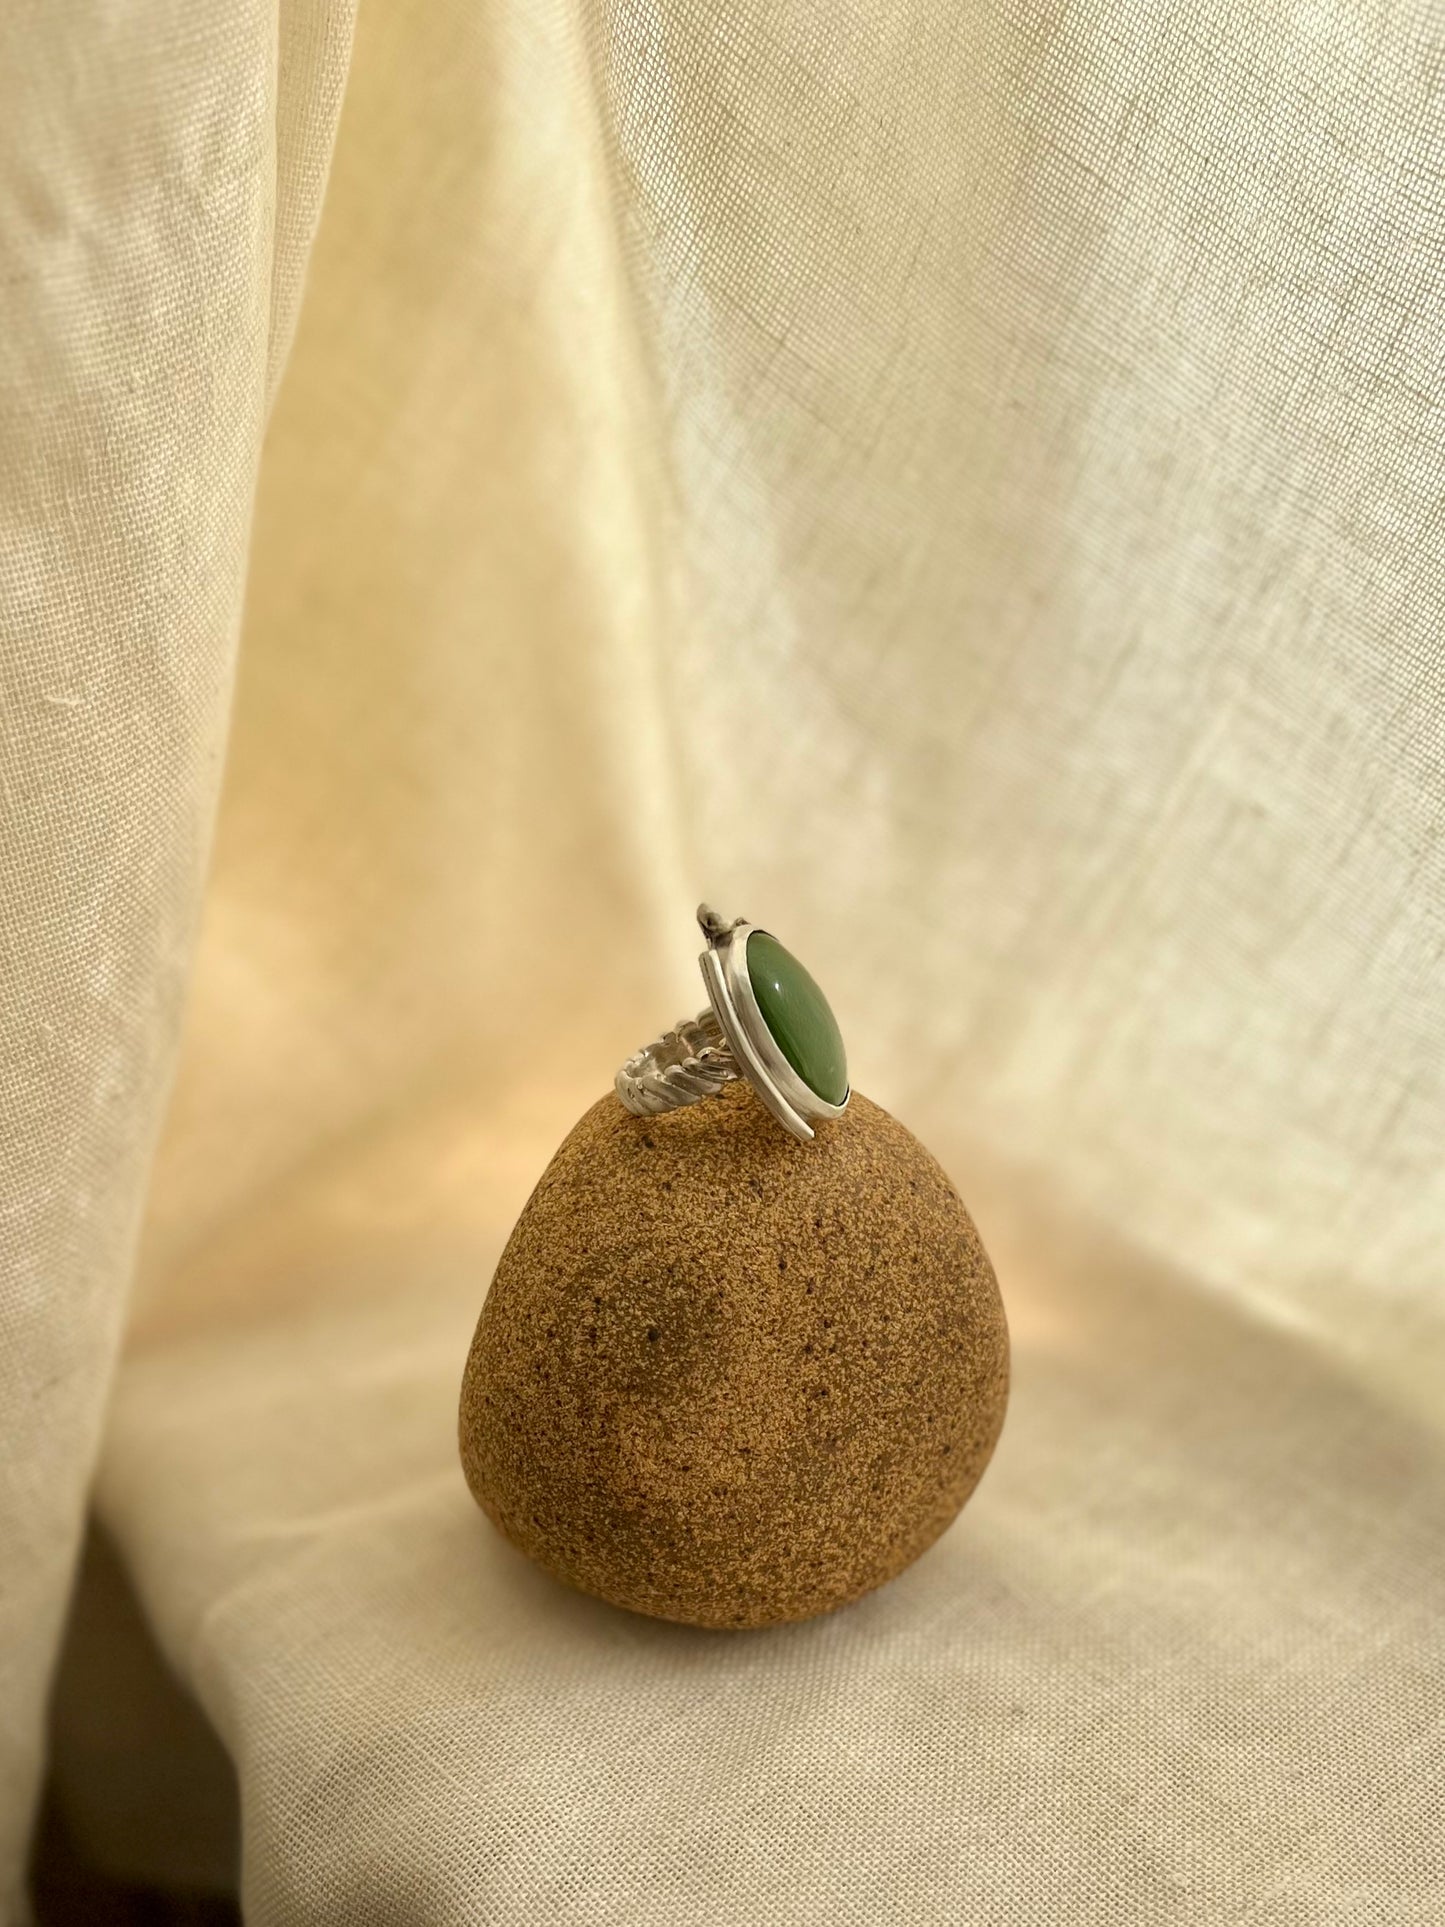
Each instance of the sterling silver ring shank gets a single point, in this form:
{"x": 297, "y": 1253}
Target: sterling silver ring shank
{"x": 732, "y": 1038}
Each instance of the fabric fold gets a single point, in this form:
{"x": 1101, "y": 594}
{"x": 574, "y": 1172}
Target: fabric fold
{"x": 142, "y": 229}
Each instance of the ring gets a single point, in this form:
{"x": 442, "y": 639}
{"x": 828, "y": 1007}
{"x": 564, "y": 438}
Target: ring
{"x": 767, "y": 1021}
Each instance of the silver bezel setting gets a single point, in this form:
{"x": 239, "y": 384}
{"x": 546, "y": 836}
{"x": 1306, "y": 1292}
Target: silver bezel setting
{"x": 730, "y": 992}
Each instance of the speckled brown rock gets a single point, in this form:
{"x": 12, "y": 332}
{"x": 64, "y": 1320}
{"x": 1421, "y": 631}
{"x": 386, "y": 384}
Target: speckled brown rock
{"x": 728, "y": 1378}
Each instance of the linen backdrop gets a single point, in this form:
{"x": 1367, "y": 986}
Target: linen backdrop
{"x": 962, "y": 485}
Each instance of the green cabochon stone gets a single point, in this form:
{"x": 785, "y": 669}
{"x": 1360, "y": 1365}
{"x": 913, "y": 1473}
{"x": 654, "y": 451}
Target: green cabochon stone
{"x": 797, "y": 1013}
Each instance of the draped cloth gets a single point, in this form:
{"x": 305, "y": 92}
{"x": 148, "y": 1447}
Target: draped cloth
{"x": 960, "y": 486}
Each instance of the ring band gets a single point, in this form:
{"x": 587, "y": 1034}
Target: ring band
{"x": 767, "y": 1021}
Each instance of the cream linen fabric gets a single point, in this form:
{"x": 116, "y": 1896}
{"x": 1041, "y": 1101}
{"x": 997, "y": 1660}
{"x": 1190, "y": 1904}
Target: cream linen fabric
{"x": 160, "y": 176}
{"x": 961, "y": 484}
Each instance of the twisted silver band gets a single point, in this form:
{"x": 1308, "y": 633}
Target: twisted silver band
{"x": 682, "y": 1065}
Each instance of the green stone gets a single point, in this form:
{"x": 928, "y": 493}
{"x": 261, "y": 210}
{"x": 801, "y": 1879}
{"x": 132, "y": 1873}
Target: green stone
{"x": 796, "y": 1012}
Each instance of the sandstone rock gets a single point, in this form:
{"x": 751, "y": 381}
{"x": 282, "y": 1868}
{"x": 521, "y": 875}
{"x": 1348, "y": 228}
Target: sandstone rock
{"x": 729, "y": 1378}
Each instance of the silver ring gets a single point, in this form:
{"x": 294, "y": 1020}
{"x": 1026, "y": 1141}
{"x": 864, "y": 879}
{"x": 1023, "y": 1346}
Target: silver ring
{"x": 767, "y": 1021}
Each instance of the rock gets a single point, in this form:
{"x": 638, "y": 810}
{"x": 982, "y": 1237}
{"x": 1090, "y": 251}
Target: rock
{"x": 729, "y": 1378}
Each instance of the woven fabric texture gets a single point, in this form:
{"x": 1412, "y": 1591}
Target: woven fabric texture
{"x": 961, "y": 486}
